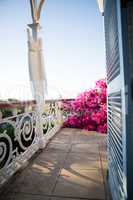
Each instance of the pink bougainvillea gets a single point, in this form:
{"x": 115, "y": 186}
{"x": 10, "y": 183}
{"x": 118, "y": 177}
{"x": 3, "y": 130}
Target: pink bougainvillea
{"x": 88, "y": 110}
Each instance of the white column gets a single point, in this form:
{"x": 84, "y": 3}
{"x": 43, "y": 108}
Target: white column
{"x": 36, "y": 66}
{"x": 37, "y": 78}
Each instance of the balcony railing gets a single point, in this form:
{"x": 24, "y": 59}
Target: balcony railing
{"x": 19, "y": 138}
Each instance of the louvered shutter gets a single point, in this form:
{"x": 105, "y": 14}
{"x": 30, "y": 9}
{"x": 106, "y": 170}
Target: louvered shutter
{"x": 116, "y": 100}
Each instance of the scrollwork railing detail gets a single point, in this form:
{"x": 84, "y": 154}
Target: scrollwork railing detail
{"x": 6, "y": 149}
{"x": 19, "y": 137}
{"x": 17, "y": 134}
{"x": 52, "y": 118}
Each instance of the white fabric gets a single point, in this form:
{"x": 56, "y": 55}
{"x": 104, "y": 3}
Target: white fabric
{"x": 101, "y": 5}
{"x": 36, "y": 68}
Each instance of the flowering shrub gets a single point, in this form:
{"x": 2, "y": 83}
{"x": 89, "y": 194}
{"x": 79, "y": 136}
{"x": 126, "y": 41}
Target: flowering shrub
{"x": 88, "y": 110}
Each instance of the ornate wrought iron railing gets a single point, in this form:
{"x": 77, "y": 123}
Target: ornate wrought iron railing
{"x": 52, "y": 118}
{"x": 19, "y": 138}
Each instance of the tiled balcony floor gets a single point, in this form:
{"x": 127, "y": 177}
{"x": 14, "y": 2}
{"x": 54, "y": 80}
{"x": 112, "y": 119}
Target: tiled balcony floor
{"x": 72, "y": 167}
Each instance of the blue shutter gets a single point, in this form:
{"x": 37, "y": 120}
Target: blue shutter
{"x": 116, "y": 100}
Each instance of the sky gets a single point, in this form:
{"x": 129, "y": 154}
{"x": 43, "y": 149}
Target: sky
{"x": 73, "y": 47}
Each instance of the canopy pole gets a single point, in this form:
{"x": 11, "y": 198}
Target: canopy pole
{"x": 36, "y": 70}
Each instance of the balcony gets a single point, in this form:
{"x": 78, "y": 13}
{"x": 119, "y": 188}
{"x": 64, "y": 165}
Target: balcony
{"x": 72, "y": 165}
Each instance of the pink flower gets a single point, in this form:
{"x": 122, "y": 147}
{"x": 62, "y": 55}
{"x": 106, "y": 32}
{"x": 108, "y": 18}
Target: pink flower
{"x": 88, "y": 110}
{"x": 102, "y": 128}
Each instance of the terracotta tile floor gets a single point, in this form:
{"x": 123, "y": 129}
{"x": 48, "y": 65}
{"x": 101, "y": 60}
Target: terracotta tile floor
{"x": 72, "y": 167}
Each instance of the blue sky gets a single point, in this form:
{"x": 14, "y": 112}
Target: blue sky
{"x": 73, "y": 40}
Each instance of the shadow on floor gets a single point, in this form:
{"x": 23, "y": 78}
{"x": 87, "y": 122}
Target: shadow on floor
{"x": 73, "y": 166}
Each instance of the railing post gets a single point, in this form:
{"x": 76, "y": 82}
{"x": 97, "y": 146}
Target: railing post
{"x": 14, "y": 111}
{"x": 39, "y": 122}
{"x": 0, "y": 115}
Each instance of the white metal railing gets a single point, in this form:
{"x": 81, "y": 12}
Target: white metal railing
{"x": 53, "y": 121}
{"x": 19, "y": 138}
